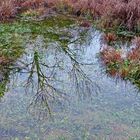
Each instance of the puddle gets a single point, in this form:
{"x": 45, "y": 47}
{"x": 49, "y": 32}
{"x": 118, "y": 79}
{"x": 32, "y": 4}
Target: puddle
{"x": 57, "y": 90}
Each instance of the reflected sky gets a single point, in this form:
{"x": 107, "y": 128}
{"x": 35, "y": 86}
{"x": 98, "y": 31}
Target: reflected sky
{"x": 59, "y": 91}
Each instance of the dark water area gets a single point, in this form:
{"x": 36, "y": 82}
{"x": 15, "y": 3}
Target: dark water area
{"x": 58, "y": 90}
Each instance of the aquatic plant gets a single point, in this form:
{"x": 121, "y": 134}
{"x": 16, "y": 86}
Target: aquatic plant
{"x": 112, "y": 59}
{"x": 126, "y": 67}
{"x": 111, "y": 55}
{"x": 109, "y": 37}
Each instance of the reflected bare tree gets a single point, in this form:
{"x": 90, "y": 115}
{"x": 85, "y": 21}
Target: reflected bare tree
{"x": 83, "y": 85}
{"x": 45, "y": 83}
{"x": 4, "y": 77}
{"x": 46, "y": 91}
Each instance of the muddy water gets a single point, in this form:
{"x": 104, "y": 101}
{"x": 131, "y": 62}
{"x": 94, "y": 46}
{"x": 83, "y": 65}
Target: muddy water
{"x": 59, "y": 91}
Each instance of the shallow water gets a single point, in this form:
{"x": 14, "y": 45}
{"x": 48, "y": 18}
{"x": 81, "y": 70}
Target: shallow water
{"x": 59, "y": 91}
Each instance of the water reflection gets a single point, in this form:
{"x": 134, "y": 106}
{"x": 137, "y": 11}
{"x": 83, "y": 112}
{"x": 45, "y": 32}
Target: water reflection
{"x": 63, "y": 80}
{"x": 4, "y": 77}
{"x": 54, "y": 72}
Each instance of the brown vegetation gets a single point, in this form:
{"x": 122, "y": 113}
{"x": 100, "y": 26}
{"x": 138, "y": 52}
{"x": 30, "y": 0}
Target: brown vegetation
{"x": 127, "y": 67}
{"x": 111, "y": 55}
{"x": 8, "y": 9}
{"x": 109, "y": 37}
{"x": 111, "y": 12}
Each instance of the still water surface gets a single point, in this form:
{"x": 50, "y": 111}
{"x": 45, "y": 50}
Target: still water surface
{"x": 61, "y": 92}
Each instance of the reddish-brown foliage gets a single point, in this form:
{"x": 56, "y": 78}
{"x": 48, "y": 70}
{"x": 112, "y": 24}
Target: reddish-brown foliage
{"x": 8, "y": 9}
{"x": 122, "y": 66}
{"x": 33, "y": 4}
{"x": 121, "y": 12}
{"x": 123, "y": 72}
{"x": 4, "y": 60}
{"x": 110, "y": 55}
{"x": 111, "y": 12}
{"x": 85, "y": 24}
{"x": 109, "y": 37}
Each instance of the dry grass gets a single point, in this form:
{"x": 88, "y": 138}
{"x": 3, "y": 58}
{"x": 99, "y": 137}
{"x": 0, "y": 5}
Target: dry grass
{"x": 33, "y": 4}
{"x": 121, "y": 12}
{"x": 8, "y": 9}
{"x": 111, "y": 12}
